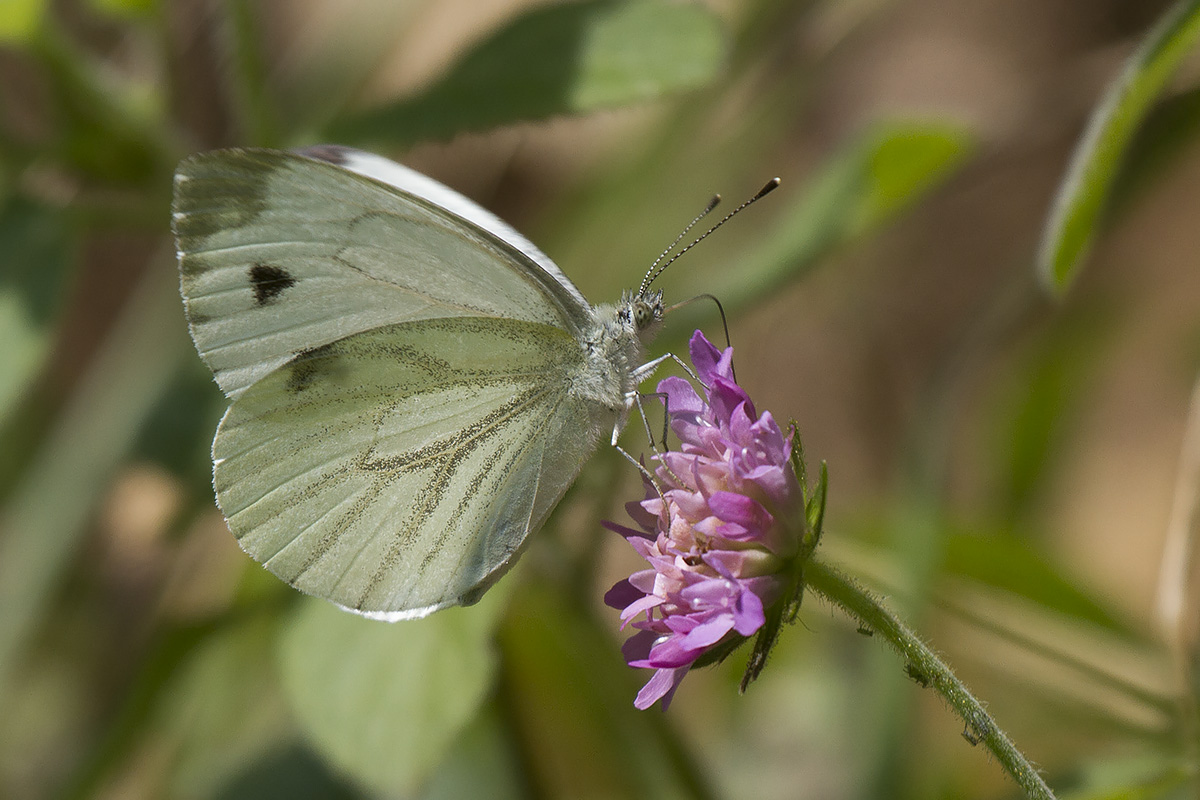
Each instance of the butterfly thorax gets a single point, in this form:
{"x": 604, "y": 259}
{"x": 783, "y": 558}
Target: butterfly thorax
{"x": 615, "y": 347}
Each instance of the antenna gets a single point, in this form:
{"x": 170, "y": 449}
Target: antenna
{"x": 652, "y": 274}
{"x": 716, "y": 199}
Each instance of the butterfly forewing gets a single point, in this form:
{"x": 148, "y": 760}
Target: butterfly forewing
{"x": 399, "y": 470}
{"x": 280, "y": 253}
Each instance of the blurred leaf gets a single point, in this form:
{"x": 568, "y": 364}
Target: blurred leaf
{"x": 106, "y": 129}
{"x": 571, "y": 696}
{"x": 565, "y": 58}
{"x": 320, "y": 87}
{"x": 38, "y": 250}
{"x": 255, "y": 105}
{"x": 877, "y": 176}
{"x": 483, "y": 762}
{"x": 20, "y": 18}
{"x": 47, "y": 511}
{"x": 1166, "y": 134}
{"x": 1011, "y": 564}
{"x": 1146, "y": 777}
{"x": 1085, "y": 189}
{"x": 292, "y": 773}
{"x": 178, "y": 431}
{"x": 385, "y": 702}
{"x": 223, "y": 708}
{"x": 127, "y": 9}
{"x": 1035, "y": 413}
{"x": 168, "y": 655}
{"x": 904, "y": 161}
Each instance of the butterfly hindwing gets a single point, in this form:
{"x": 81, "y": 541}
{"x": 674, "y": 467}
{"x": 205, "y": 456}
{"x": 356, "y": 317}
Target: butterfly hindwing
{"x": 280, "y": 253}
{"x": 399, "y": 470}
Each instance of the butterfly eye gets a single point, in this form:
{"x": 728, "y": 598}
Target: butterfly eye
{"x": 645, "y": 314}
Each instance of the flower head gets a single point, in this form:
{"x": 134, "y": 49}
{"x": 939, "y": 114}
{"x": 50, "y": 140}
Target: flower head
{"x": 723, "y": 535}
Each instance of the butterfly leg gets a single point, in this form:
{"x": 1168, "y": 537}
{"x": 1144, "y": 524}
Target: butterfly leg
{"x": 646, "y": 421}
{"x": 640, "y": 374}
{"x": 648, "y": 476}
{"x": 666, "y": 422}
{"x": 644, "y": 371}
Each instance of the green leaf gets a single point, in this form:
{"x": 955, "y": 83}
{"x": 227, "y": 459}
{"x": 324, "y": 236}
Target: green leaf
{"x": 566, "y": 58}
{"x": 879, "y": 175}
{"x": 901, "y": 162}
{"x": 19, "y": 19}
{"x": 1084, "y": 192}
{"x": 385, "y": 702}
{"x": 1165, "y": 135}
{"x": 224, "y": 708}
{"x": 38, "y": 253}
{"x": 1008, "y": 563}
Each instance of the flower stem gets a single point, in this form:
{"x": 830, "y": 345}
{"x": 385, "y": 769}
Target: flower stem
{"x": 925, "y": 667}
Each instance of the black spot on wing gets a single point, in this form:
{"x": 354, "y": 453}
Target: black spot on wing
{"x": 268, "y": 282}
{"x": 311, "y": 365}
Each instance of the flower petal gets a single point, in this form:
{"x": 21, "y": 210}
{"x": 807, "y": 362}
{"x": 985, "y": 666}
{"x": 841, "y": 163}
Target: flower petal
{"x": 708, "y": 633}
{"x": 681, "y": 396}
{"x": 718, "y": 538}
{"x": 637, "y": 647}
{"x": 660, "y": 687}
{"x": 621, "y": 594}
{"x": 705, "y": 358}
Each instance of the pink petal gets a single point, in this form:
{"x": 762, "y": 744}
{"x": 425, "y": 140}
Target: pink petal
{"x": 621, "y": 594}
{"x": 705, "y": 358}
{"x": 661, "y": 686}
{"x": 708, "y": 633}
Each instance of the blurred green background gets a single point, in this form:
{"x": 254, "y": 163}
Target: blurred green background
{"x": 1003, "y": 392}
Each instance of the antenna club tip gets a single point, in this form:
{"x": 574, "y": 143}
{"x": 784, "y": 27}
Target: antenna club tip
{"x": 771, "y": 186}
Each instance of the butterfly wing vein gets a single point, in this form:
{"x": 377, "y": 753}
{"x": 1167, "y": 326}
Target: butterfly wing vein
{"x": 405, "y": 470}
{"x": 279, "y": 253}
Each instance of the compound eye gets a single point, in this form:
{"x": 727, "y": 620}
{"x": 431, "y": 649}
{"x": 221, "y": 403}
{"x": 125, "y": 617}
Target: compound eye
{"x": 643, "y": 315}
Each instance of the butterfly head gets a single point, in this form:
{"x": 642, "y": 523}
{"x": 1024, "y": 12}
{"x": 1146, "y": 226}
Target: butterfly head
{"x": 643, "y": 313}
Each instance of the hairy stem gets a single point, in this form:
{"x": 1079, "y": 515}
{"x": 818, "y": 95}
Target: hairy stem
{"x": 925, "y": 667}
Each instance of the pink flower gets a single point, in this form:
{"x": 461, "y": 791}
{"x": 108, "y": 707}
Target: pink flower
{"x": 724, "y": 547}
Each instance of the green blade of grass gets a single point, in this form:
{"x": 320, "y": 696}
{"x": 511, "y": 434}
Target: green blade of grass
{"x": 43, "y": 523}
{"x": 1084, "y": 192}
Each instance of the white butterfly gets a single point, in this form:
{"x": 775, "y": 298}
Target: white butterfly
{"x": 413, "y": 384}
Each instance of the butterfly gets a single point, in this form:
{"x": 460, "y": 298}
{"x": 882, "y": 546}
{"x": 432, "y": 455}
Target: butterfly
{"x": 413, "y": 385}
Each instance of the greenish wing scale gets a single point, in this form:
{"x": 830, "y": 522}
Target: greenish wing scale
{"x": 399, "y": 470}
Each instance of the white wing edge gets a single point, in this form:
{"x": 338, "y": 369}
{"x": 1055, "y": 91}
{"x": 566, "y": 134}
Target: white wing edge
{"x": 409, "y": 180}
{"x": 394, "y": 616}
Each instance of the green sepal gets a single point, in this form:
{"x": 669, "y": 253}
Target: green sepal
{"x": 787, "y": 608}
{"x": 815, "y": 511}
{"x": 763, "y": 644}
